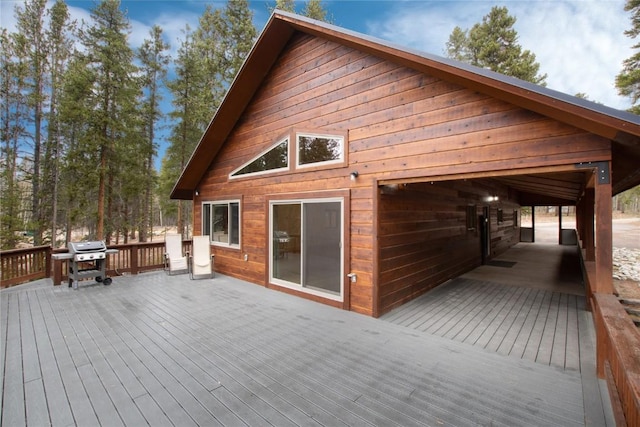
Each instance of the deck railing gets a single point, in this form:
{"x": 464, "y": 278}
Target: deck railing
{"x": 618, "y": 347}
{"x": 618, "y": 350}
{"x": 24, "y": 265}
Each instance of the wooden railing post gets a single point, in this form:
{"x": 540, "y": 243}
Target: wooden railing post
{"x": 57, "y": 272}
{"x": 134, "y": 259}
{"x": 47, "y": 261}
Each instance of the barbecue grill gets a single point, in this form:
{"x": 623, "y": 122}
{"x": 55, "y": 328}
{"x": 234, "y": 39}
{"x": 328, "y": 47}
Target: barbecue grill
{"x": 87, "y": 260}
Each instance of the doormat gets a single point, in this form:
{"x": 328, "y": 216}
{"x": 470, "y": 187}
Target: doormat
{"x": 498, "y": 263}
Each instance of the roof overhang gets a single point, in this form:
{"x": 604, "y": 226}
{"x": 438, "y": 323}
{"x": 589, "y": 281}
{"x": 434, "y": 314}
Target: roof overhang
{"x": 621, "y": 127}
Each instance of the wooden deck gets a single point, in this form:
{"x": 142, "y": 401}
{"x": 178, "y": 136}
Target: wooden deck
{"x": 158, "y": 350}
{"x": 528, "y": 303}
{"x": 533, "y": 324}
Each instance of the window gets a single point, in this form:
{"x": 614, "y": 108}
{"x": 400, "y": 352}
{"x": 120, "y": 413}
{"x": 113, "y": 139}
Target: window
{"x": 276, "y": 158}
{"x": 315, "y": 149}
{"x": 221, "y": 221}
{"x": 500, "y": 216}
{"x": 472, "y": 218}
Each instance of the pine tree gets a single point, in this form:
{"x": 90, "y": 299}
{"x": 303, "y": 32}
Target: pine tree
{"x": 30, "y": 23}
{"x": 13, "y": 110}
{"x": 60, "y": 44}
{"x": 628, "y": 81}
{"x": 154, "y": 60}
{"x": 239, "y": 35}
{"x": 223, "y": 39}
{"x": 114, "y": 93}
{"x": 77, "y": 170}
{"x": 207, "y": 46}
{"x": 456, "y": 46}
{"x": 188, "y": 115}
{"x": 313, "y": 9}
{"x": 286, "y": 5}
{"x": 493, "y": 44}
{"x": 208, "y": 61}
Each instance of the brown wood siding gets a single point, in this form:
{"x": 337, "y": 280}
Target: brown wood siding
{"x": 400, "y": 124}
{"x": 423, "y": 236}
{"x": 362, "y": 250}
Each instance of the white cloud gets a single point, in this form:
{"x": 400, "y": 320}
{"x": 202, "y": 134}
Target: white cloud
{"x": 579, "y": 44}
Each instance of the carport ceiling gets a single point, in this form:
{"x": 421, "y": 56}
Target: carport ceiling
{"x": 560, "y": 188}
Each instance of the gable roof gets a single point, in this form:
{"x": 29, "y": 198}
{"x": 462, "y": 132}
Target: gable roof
{"x": 621, "y": 127}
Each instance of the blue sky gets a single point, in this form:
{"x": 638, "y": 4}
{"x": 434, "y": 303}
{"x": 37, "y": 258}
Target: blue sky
{"x": 580, "y": 44}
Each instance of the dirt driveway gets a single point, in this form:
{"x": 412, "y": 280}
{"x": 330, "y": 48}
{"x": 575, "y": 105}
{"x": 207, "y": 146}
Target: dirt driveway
{"x": 626, "y": 231}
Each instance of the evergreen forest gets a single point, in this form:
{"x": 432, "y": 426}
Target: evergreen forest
{"x": 81, "y": 117}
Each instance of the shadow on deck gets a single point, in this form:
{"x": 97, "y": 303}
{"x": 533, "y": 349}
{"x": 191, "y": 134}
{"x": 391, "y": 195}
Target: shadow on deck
{"x": 159, "y": 350}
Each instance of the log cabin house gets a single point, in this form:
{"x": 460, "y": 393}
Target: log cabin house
{"x": 347, "y": 170}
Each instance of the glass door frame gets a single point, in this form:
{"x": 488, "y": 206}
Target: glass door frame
{"x": 302, "y": 201}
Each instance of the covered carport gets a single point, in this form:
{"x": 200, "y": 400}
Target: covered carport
{"x": 430, "y": 231}
{"x": 530, "y": 300}
{"x": 528, "y": 303}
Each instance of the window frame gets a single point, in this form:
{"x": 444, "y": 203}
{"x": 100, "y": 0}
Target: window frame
{"x": 207, "y": 226}
{"x": 471, "y": 217}
{"x": 279, "y": 141}
{"x": 302, "y": 201}
{"x": 342, "y": 161}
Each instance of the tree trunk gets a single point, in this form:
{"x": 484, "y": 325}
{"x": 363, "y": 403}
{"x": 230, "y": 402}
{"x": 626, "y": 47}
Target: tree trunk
{"x": 101, "y": 193}
{"x": 180, "y": 219}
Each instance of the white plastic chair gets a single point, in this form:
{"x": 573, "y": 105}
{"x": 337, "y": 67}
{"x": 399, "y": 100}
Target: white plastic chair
{"x": 174, "y": 259}
{"x": 202, "y": 258}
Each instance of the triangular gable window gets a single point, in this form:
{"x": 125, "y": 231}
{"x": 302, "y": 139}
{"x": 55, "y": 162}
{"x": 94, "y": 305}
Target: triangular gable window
{"x": 276, "y": 158}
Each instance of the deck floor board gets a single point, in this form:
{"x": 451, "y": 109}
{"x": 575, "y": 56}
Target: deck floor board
{"x": 4, "y": 318}
{"x": 59, "y": 412}
{"x": 13, "y": 401}
{"x": 165, "y": 350}
{"x": 532, "y": 324}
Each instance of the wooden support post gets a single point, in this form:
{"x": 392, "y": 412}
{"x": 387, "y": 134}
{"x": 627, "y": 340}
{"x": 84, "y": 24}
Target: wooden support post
{"x": 533, "y": 224}
{"x": 559, "y": 225}
{"x": 589, "y": 217}
{"x": 604, "y": 239}
{"x": 579, "y": 220}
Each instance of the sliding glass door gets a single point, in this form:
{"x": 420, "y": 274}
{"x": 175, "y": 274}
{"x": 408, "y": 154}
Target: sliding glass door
{"x": 306, "y": 248}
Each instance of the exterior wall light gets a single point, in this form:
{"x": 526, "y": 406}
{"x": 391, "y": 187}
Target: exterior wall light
{"x": 354, "y": 175}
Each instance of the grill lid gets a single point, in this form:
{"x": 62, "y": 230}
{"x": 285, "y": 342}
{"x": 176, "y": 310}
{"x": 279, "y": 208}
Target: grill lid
{"x": 85, "y": 247}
